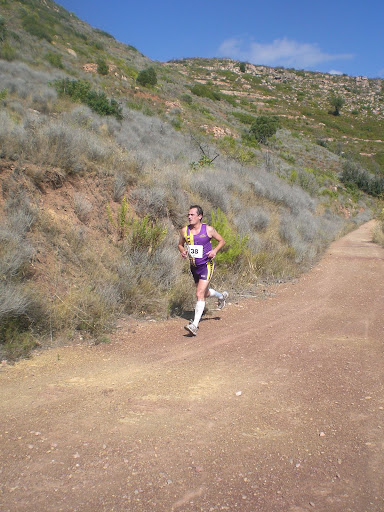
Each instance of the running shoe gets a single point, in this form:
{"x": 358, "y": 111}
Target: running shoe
{"x": 192, "y": 329}
{"x": 222, "y": 302}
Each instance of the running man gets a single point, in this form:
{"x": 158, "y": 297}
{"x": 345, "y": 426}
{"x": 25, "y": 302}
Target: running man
{"x": 197, "y": 237}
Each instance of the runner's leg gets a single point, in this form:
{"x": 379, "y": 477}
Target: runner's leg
{"x": 201, "y": 294}
{"x": 214, "y": 293}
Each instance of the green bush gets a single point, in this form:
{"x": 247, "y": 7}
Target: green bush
{"x": 7, "y": 52}
{"x": 102, "y": 67}
{"x": 204, "y": 161}
{"x": 242, "y": 67}
{"x": 235, "y": 244}
{"x": 264, "y": 127}
{"x": 16, "y": 341}
{"x": 122, "y": 221}
{"x": 205, "y": 91}
{"x": 34, "y": 26}
{"x": 103, "y": 33}
{"x": 147, "y": 77}
{"x": 229, "y": 99}
{"x": 54, "y": 59}
{"x": 146, "y": 234}
{"x": 143, "y": 234}
{"x": 80, "y": 90}
{"x": 97, "y": 44}
{"x": 186, "y": 98}
{"x": 244, "y": 118}
{"x": 353, "y": 175}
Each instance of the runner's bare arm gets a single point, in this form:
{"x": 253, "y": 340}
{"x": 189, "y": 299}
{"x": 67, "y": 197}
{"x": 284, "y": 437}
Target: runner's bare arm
{"x": 212, "y": 233}
{"x": 183, "y": 252}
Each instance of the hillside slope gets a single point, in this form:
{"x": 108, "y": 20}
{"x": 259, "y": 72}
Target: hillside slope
{"x": 98, "y": 169}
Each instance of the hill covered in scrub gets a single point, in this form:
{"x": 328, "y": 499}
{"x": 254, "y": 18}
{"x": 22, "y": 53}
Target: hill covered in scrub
{"x": 102, "y": 151}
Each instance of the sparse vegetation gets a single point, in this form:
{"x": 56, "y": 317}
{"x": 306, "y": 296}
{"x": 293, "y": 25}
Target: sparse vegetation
{"x": 80, "y": 90}
{"x": 205, "y": 91}
{"x": 55, "y": 59}
{"x": 354, "y": 175}
{"x": 102, "y": 67}
{"x": 255, "y": 146}
{"x": 7, "y": 52}
{"x": 35, "y": 26}
{"x": 244, "y": 117}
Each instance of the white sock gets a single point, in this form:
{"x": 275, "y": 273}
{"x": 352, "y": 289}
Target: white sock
{"x": 214, "y": 293}
{"x": 199, "y": 310}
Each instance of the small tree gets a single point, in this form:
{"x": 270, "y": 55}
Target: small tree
{"x": 147, "y": 77}
{"x": 102, "y": 67}
{"x": 264, "y": 127}
{"x": 337, "y": 102}
{"x": 242, "y": 67}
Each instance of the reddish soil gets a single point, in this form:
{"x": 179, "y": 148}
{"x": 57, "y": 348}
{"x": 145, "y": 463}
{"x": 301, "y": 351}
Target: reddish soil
{"x": 276, "y": 406}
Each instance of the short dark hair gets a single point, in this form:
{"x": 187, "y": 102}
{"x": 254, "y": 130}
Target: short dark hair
{"x": 198, "y": 208}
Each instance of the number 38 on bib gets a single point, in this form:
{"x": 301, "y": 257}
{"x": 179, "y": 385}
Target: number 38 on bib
{"x": 195, "y": 251}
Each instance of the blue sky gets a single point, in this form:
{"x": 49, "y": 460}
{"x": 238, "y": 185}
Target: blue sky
{"x": 339, "y": 36}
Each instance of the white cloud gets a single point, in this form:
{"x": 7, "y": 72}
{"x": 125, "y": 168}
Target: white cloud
{"x": 281, "y": 52}
{"x": 335, "y": 72}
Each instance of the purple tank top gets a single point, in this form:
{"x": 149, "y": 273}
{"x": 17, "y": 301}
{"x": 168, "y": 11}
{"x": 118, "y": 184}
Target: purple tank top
{"x": 198, "y": 246}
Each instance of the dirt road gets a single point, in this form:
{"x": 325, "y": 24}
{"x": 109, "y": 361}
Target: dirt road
{"x": 277, "y": 405}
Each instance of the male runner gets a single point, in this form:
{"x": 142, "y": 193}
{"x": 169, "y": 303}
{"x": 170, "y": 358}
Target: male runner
{"x": 197, "y": 236}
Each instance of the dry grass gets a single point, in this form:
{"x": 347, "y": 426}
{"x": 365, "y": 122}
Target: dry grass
{"x": 87, "y": 277}
{"x": 82, "y": 207}
{"x": 378, "y": 233}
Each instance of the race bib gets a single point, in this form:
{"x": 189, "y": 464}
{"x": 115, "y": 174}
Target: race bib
{"x": 195, "y": 251}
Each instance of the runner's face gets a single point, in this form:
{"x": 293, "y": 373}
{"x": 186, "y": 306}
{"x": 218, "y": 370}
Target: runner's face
{"x": 193, "y": 217}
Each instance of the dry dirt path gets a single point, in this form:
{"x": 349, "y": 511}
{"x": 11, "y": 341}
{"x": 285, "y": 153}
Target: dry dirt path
{"x": 155, "y": 420}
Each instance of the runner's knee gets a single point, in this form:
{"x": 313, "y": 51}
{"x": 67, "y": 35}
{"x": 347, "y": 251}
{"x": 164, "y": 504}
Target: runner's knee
{"x": 200, "y": 294}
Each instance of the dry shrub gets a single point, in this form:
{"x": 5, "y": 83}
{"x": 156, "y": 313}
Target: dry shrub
{"x": 21, "y": 311}
{"x": 57, "y": 144}
{"x": 150, "y": 200}
{"x": 82, "y": 289}
{"x": 147, "y": 278}
{"x": 82, "y": 207}
{"x": 16, "y": 339}
{"x": 119, "y": 187}
{"x": 14, "y": 300}
{"x": 251, "y": 219}
{"x": 22, "y": 316}
{"x": 273, "y": 265}
{"x": 44, "y": 100}
{"x": 182, "y": 296}
{"x": 15, "y": 254}
{"x": 213, "y": 187}
{"x": 378, "y": 233}
{"x": 87, "y": 308}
